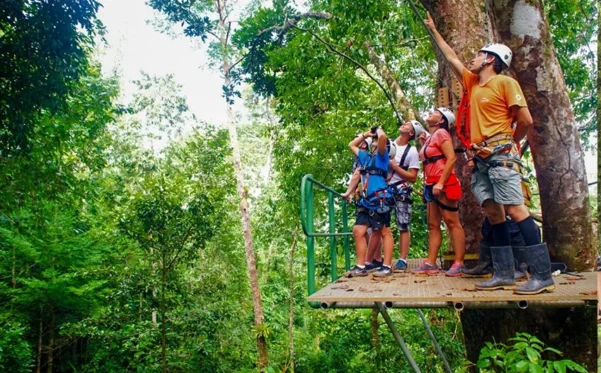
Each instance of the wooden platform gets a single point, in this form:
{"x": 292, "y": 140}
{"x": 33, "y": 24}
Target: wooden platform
{"x": 405, "y": 290}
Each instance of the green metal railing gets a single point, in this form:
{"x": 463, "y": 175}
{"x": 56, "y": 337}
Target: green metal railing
{"x": 307, "y": 203}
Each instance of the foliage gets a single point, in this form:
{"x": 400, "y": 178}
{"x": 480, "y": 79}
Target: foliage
{"x": 525, "y": 355}
{"x": 43, "y": 53}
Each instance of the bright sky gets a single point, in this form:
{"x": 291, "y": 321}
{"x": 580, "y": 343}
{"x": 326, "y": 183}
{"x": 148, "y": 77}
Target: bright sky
{"x": 134, "y": 45}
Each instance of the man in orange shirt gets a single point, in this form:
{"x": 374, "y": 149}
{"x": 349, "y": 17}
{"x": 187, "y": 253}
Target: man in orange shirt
{"x": 496, "y": 101}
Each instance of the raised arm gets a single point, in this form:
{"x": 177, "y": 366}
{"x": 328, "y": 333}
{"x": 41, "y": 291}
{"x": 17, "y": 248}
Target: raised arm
{"x": 448, "y": 53}
{"x": 382, "y": 141}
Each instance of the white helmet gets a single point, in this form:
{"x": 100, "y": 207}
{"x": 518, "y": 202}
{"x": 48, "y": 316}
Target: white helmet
{"x": 448, "y": 114}
{"x": 368, "y": 141}
{"x": 391, "y": 147}
{"x": 418, "y": 129}
{"x": 501, "y": 51}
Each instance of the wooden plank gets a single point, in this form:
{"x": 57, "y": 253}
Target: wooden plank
{"x": 446, "y": 291}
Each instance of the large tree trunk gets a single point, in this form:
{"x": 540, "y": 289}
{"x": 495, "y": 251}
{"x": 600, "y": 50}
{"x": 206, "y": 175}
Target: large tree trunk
{"x": 554, "y": 140}
{"x": 461, "y": 23}
{"x": 259, "y": 319}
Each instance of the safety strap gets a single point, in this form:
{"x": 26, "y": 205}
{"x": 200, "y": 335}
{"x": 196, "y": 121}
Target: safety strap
{"x": 402, "y": 162}
{"x": 428, "y": 160}
{"x": 445, "y": 207}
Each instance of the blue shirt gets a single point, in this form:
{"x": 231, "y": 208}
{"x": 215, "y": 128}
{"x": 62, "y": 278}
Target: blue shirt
{"x": 380, "y": 161}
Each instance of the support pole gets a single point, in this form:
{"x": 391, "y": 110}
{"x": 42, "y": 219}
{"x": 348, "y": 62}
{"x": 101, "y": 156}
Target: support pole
{"x": 397, "y": 336}
{"x": 436, "y": 346}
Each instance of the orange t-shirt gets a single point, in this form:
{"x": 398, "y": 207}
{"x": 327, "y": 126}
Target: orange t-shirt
{"x": 490, "y": 112}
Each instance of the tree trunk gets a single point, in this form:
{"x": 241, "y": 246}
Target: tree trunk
{"x": 50, "y": 342}
{"x": 163, "y": 317}
{"x": 374, "y": 328}
{"x": 403, "y": 105}
{"x": 259, "y": 319}
{"x": 291, "y": 311}
{"x": 461, "y": 23}
{"x": 38, "y": 368}
{"x": 554, "y": 139}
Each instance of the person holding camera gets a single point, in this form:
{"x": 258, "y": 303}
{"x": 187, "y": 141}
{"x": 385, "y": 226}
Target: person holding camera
{"x": 442, "y": 192}
{"x": 374, "y": 207}
{"x": 404, "y": 169}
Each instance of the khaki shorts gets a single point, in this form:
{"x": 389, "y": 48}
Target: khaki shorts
{"x": 501, "y": 184}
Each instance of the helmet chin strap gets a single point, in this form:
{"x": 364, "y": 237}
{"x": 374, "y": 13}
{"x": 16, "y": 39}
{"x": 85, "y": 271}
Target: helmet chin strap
{"x": 483, "y": 63}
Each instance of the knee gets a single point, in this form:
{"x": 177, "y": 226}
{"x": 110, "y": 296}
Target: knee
{"x": 359, "y": 231}
{"x": 433, "y": 227}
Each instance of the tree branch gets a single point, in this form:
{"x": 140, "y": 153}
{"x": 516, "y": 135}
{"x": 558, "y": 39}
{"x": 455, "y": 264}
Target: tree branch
{"x": 181, "y": 248}
{"x": 292, "y": 21}
{"x": 331, "y": 48}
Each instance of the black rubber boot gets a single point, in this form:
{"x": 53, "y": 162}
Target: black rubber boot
{"x": 519, "y": 257}
{"x": 503, "y": 268}
{"x": 539, "y": 264}
{"x": 483, "y": 268}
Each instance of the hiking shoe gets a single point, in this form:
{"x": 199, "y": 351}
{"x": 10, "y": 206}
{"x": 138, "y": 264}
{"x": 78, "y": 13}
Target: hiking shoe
{"x": 357, "y": 272}
{"x": 401, "y": 266}
{"x": 455, "y": 270}
{"x": 426, "y": 269}
{"x": 373, "y": 266}
{"x": 383, "y": 271}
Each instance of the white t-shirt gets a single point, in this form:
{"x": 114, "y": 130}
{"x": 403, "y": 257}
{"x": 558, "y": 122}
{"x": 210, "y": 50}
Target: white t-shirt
{"x": 411, "y": 161}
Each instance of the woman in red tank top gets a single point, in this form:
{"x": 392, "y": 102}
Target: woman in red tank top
{"x": 442, "y": 191}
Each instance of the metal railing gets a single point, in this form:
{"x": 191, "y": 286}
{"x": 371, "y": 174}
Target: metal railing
{"x": 307, "y": 221}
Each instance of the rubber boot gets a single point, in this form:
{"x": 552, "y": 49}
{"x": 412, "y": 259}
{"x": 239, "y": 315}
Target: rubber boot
{"x": 503, "y": 269}
{"x": 483, "y": 268}
{"x": 519, "y": 257}
{"x": 539, "y": 263}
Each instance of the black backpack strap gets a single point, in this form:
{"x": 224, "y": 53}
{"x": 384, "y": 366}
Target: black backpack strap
{"x": 402, "y": 162}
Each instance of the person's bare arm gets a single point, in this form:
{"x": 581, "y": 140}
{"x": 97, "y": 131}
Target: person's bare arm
{"x": 409, "y": 175}
{"x": 382, "y": 141}
{"x": 354, "y": 145}
{"x": 522, "y": 116}
{"x": 449, "y": 154}
{"x": 447, "y": 51}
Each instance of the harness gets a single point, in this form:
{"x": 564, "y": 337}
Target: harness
{"x": 428, "y": 160}
{"x": 378, "y": 200}
{"x": 402, "y": 195}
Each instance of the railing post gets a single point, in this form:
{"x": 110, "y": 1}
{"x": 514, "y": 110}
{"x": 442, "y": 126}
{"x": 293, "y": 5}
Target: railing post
{"x": 347, "y": 255}
{"x": 332, "y": 224}
{"x": 310, "y": 239}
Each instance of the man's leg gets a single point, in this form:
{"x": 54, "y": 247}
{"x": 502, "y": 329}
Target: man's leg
{"x": 374, "y": 248}
{"x": 359, "y": 232}
{"x": 520, "y": 215}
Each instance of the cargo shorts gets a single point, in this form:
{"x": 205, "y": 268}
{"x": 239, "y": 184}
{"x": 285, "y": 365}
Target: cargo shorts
{"x": 501, "y": 184}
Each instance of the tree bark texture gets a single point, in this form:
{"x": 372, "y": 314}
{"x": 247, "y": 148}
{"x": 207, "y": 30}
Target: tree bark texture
{"x": 462, "y": 24}
{"x": 554, "y": 139}
{"x": 402, "y": 104}
{"x": 259, "y": 319}
{"x": 570, "y": 330}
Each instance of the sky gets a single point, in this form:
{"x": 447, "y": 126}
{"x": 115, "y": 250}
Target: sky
{"x": 134, "y": 45}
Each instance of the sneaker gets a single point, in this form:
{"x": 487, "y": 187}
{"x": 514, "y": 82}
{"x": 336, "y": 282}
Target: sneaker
{"x": 383, "y": 271}
{"x": 401, "y": 266}
{"x": 425, "y": 269}
{"x": 455, "y": 270}
{"x": 373, "y": 266}
{"x": 357, "y": 272}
